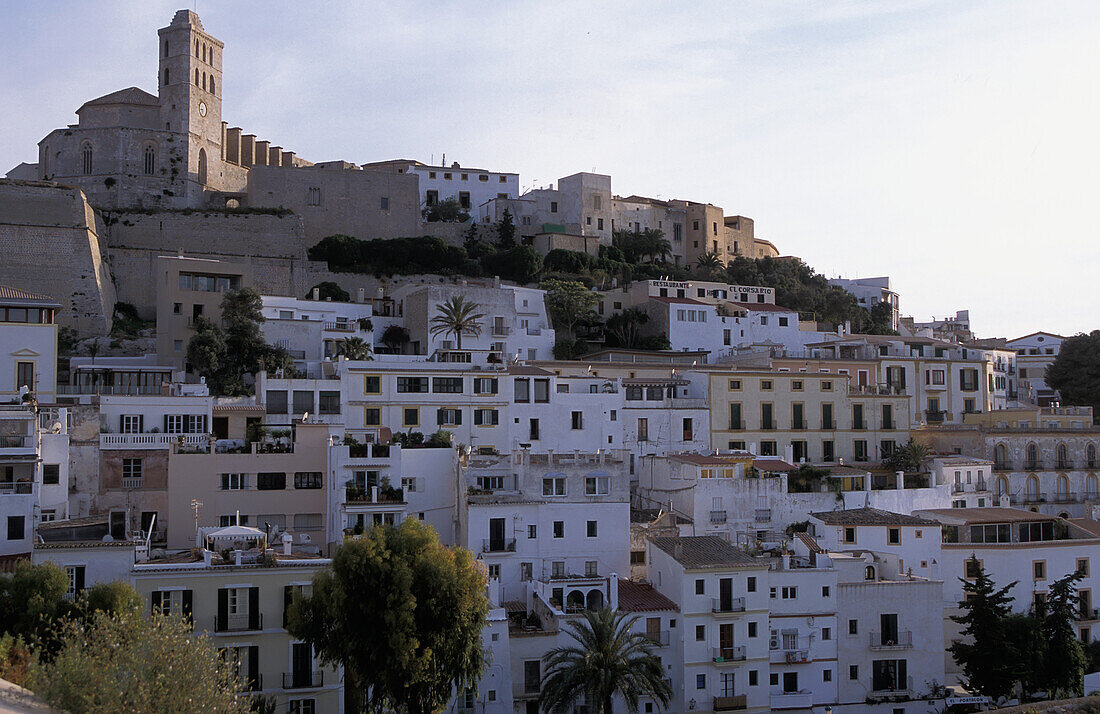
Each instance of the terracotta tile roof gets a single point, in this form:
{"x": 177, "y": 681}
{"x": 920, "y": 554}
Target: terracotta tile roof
{"x": 711, "y": 460}
{"x": 130, "y": 95}
{"x": 870, "y": 517}
{"x": 989, "y": 514}
{"x": 525, "y": 369}
{"x": 695, "y": 552}
{"x": 642, "y": 597}
{"x": 810, "y": 542}
{"x": 761, "y": 307}
{"x": 10, "y": 293}
{"x": 677, "y": 300}
{"x": 772, "y": 463}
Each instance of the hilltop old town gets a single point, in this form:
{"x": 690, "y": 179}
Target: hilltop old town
{"x": 224, "y": 365}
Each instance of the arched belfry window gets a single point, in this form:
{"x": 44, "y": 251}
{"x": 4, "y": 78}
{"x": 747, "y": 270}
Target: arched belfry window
{"x": 196, "y": 47}
{"x": 202, "y": 166}
{"x": 150, "y": 160}
{"x": 166, "y": 76}
{"x": 166, "y": 48}
{"x": 196, "y": 76}
{"x": 204, "y": 80}
{"x": 86, "y": 158}
{"x": 212, "y": 84}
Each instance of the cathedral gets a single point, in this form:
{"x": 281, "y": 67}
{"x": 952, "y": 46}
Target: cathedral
{"x": 133, "y": 149}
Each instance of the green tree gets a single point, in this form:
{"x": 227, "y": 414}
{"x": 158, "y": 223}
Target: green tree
{"x": 1075, "y": 372}
{"x": 32, "y": 600}
{"x": 395, "y": 337}
{"x": 226, "y": 357}
{"x": 569, "y": 302}
{"x": 1063, "y": 663}
{"x": 402, "y": 613}
{"x": 506, "y": 231}
{"x": 709, "y": 263}
{"x": 329, "y": 290}
{"x": 135, "y": 663}
{"x": 622, "y": 327}
{"x": 520, "y": 264}
{"x": 1024, "y": 640}
{"x": 608, "y": 659}
{"x": 457, "y": 316}
{"x": 355, "y": 348}
{"x": 449, "y": 210}
{"x": 988, "y": 667}
{"x": 206, "y": 349}
{"x": 910, "y": 456}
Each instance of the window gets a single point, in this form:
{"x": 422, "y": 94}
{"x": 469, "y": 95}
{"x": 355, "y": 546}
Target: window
{"x": 372, "y": 416}
{"x": 76, "y": 578}
{"x": 412, "y": 385}
{"x": 752, "y": 629}
{"x": 789, "y": 592}
{"x": 532, "y": 531}
{"x": 131, "y": 469}
{"x": 559, "y": 529}
{"x": 276, "y": 402}
{"x": 553, "y": 486}
{"x": 542, "y": 390}
{"x": 750, "y": 584}
{"x": 853, "y": 671}
{"x": 592, "y": 529}
{"x": 1039, "y": 570}
{"x": 449, "y": 417}
{"x": 1083, "y": 567}
{"x": 700, "y": 586}
{"x": 328, "y": 403}
{"x": 486, "y": 417}
{"x": 447, "y": 385}
{"x": 234, "y": 482}
{"x": 826, "y": 633}
{"x": 700, "y": 633}
{"x": 735, "y": 385}
{"x": 578, "y": 420}
{"x": 372, "y": 384}
{"x": 849, "y": 535}
{"x": 853, "y": 627}
{"x": 766, "y": 385}
{"x": 271, "y": 481}
{"x": 597, "y": 485}
{"x": 410, "y": 416}
{"x": 86, "y": 158}
{"x": 971, "y": 568}
{"x": 131, "y": 424}
{"x": 485, "y": 385}
{"x": 51, "y": 474}
{"x": 384, "y": 203}
{"x": 464, "y": 199}
{"x": 893, "y": 536}
{"x": 700, "y": 681}
{"x": 826, "y": 675}
{"x": 303, "y": 401}
{"x": 16, "y": 527}
{"x": 591, "y": 569}
{"x": 307, "y": 479}
{"x": 754, "y": 677}
{"x": 522, "y": 390}
{"x": 150, "y": 156}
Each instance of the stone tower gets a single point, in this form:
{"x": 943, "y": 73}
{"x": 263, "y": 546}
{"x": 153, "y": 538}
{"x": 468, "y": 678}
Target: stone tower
{"x": 190, "y": 80}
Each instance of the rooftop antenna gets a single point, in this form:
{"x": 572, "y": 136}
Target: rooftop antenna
{"x": 196, "y": 504}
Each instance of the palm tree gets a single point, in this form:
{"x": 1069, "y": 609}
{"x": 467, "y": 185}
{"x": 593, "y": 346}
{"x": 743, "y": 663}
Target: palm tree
{"x": 457, "y": 316}
{"x": 608, "y": 659}
{"x": 355, "y": 348}
{"x": 709, "y": 263}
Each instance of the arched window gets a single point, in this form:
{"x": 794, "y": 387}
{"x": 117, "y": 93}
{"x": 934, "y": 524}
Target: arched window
{"x": 45, "y": 162}
{"x": 202, "y": 166}
{"x": 1063, "y": 488}
{"x": 86, "y": 158}
{"x": 166, "y": 48}
{"x": 150, "y": 160}
{"x": 1000, "y": 456}
{"x": 1091, "y": 487}
{"x": 1090, "y": 456}
{"x": 204, "y": 80}
{"x": 196, "y": 76}
{"x": 166, "y": 76}
{"x": 869, "y": 572}
{"x": 1032, "y": 489}
{"x": 1032, "y": 457}
{"x": 212, "y": 91}
{"x": 1002, "y": 486}
{"x": 204, "y": 52}
{"x": 1063, "y": 457}
{"x": 196, "y": 47}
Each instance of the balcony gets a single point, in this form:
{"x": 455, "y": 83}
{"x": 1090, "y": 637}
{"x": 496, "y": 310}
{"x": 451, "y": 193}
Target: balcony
{"x": 763, "y": 515}
{"x": 737, "y": 425}
{"x": 900, "y": 640}
{"x": 299, "y": 679}
{"x": 1033, "y": 466}
{"x": 16, "y": 442}
{"x": 934, "y": 416}
{"x": 796, "y": 656}
{"x": 730, "y": 703}
{"x": 1034, "y": 497}
{"x": 801, "y": 699}
{"x": 17, "y": 488}
{"x": 828, "y": 425}
{"x": 492, "y": 545}
{"x": 659, "y": 638}
{"x": 767, "y": 425}
{"x": 888, "y": 424}
{"x": 717, "y": 516}
{"x": 1065, "y": 497}
{"x": 728, "y": 654}
{"x": 132, "y": 482}
{"x": 1064, "y": 465}
{"x": 798, "y": 424}
{"x": 859, "y": 425}
{"x": 373, "y": 494}
{"x": 896, "y": 689}
{"x": 727, "y": 605}
{"x": 151, "y": 441}
{"x": 244, "y": 622}
{"x": 369, "y": 451}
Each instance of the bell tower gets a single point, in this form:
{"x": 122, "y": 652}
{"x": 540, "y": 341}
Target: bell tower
{"x": 190, "y": 80}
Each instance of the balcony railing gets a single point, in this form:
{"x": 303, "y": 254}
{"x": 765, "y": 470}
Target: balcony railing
{"x": 728, "y": 654}
{"x": 767, "y": 425}
{"x": 717, "y": 516}
{"x": 798, "y": 424}
{"x": 17, "y": 488}
{"x": 730, "y": 703}
{"x": 894, "y": 688}
{"x": 859, "y": 425}
{"x": 828, "y": 424}
{"x": 1034, "y": 497}
{"x": 733, "y": 604}
{"x": 1065, "y": 497}
{"x": 299, "y": 679}
{"x": 151, "y": 441}
{"x": 240, "y": 623}
{"x": 489, "y": 545}
{"x": 1033, "y": 465}
{"x": 133, "y": 482}
{"x": 902, "y": 639}
{"x": 935, "y": 417}
{"x": 737, "y": 425}
{"x": 16, "y": 442}
{"x": 1064, "y": 465}
{"x": 763, "y": 515}
{"x": 659, "y": 638}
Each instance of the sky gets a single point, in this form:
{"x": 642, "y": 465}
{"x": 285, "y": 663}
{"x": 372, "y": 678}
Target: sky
{"x": 954, "y": 146}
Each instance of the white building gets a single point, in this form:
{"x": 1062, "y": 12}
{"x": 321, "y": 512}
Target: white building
{"x": 311, "y": 330}
{"x": 34, "y": 475}
{"x": 470, "y": 187}
{"x": 1034, "y": 354}
{"x": 29, "y": 335}
{"x": 870, "y": 292}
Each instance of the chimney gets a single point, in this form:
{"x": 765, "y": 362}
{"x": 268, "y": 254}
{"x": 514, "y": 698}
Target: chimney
{"x": 316, "y": 293}
{"x": 288, "y": 540}
{"x": 360, "y": 295}
{"x": 613, "y": 591}
{"x": 901, "y": 479}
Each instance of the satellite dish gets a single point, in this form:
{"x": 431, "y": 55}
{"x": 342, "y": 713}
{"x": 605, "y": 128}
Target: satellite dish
{"x": 56, "y": 427}
{"x": 304, "y": 417}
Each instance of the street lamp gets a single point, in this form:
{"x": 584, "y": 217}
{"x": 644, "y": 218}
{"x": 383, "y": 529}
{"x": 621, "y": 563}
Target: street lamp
{"x": 691, "y": 704}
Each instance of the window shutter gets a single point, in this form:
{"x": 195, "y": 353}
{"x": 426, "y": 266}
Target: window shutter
{"x": 288, "y": 598}
{"x": 223, "y": 610}
{"x": 79, "y": 573}
{"x": 121, "y": 423}
{"x": 165, "y": 429}
{"x": 254, "y": 667}
{"x": 155, "y": 598}
{"x": 141, "y": 423}
{"x": 458, "y": 417}
{"x": 253, "y": 608}
{"x": 186, "y": 604}
{"x": 439, "y": 416}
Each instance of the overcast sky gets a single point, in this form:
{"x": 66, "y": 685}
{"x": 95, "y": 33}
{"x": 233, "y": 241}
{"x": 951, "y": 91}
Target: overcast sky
{"x": 950, "y": 145}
